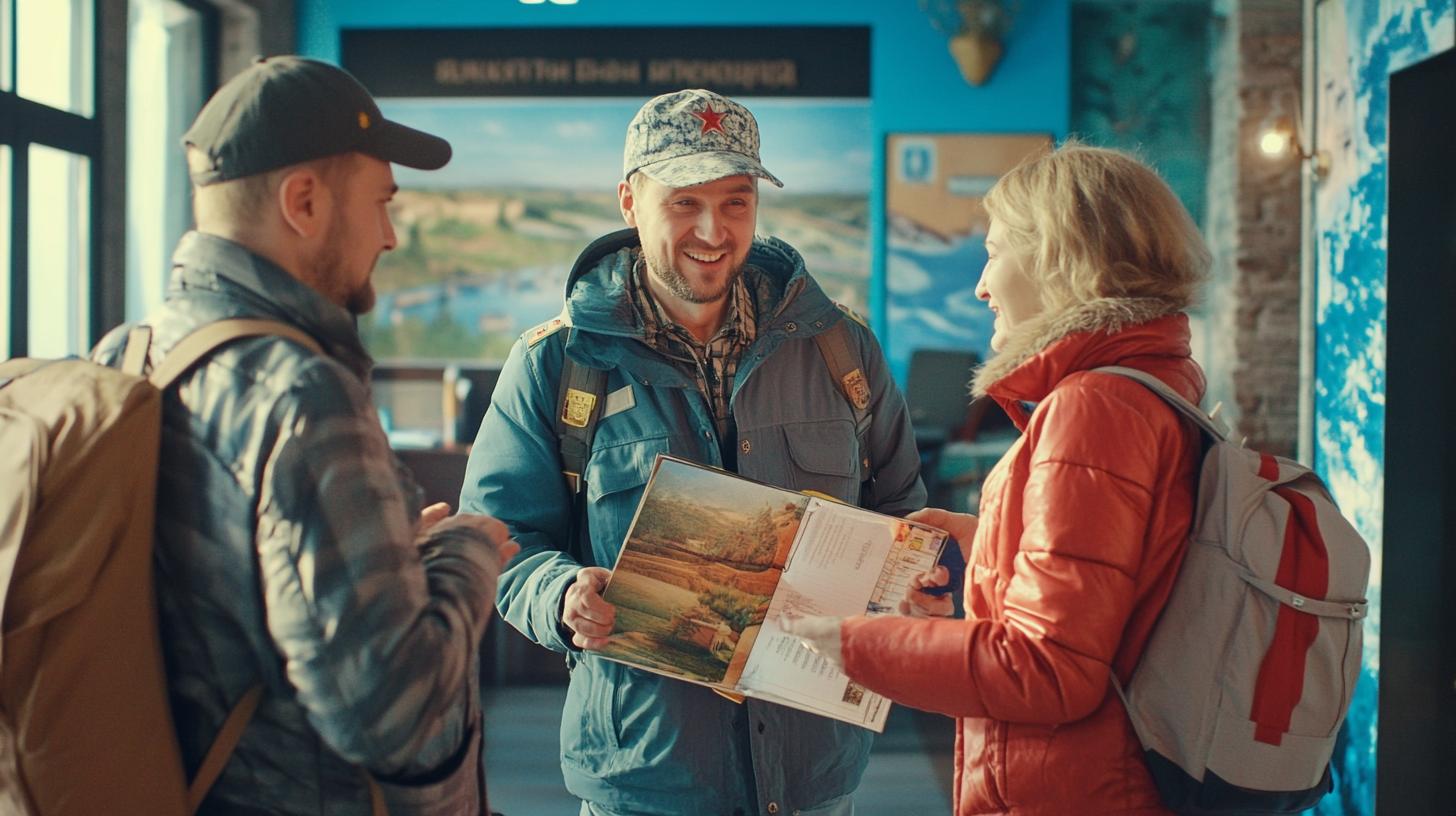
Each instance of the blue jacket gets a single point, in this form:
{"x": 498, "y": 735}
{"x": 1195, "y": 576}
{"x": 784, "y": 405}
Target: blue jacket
{"x": 286, "y": 554}
{"x": 636, "y": 741}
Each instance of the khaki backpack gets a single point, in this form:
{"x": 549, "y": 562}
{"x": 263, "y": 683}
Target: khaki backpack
{"x": 85, "y": 725}
{"x": 1248, "y": 674}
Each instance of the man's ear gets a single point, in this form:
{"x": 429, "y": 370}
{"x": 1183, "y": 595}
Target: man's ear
{"x": 303, "y": 201}
{"x": 626, "y": 201}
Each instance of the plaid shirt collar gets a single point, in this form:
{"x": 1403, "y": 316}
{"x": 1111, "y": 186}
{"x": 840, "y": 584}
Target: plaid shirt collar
{"x": 739, "y": 329}
{"x": 714, "y": 364}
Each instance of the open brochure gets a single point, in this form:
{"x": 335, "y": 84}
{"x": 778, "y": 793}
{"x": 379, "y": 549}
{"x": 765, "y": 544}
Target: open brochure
{"x": 713, "y": 561}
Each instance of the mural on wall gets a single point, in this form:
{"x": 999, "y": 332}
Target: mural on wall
{"x": 537, "y": 119}
{"x": 1142, "y": 84}
{"x": 935, "y": 235}
{"x": 1358, "y": 44}
{"x": 485, "y": 244}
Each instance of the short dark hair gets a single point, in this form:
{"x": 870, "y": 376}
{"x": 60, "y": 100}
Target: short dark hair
{"x": 240, "y": 199}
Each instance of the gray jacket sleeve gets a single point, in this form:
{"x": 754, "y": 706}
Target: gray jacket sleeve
{"x": 898, "y": 489}
{"x": 378, "y": 636}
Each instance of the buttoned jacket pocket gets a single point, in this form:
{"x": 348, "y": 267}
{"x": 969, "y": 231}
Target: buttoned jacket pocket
{"x": 615, "y": 477}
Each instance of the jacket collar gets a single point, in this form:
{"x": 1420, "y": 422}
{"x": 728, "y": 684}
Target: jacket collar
{"x": 204, "y": 262}
{"x": 598, "y": 300}
{"x": 1141, "y": 333}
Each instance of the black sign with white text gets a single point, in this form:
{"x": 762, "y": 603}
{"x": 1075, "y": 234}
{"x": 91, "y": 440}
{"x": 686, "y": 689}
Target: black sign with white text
{"x": 797, "y": 61}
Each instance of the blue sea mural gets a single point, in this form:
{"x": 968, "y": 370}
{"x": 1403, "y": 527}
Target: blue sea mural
{"x": 935, "y": 238}
{"x": 1359, "y": 43}
{"x": 932, "y": 298}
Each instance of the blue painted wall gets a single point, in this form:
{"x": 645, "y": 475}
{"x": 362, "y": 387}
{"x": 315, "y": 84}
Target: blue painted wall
{"x": 1358, "y": 44}
{"x": 1142, "y": 84}
{"x": 915, "y": 84}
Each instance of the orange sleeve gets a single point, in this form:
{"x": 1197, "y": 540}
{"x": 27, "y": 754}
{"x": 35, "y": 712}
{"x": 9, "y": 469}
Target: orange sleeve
{"x": 1086, "y": 505}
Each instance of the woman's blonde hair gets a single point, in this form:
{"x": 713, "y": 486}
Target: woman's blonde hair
{"x": 1097, "y": 223}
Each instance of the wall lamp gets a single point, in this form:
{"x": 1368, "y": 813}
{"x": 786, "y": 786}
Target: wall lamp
{"x": 557, "y": 2}
{"x": 976, "y": 28}
{"x": 1280, "y": 137}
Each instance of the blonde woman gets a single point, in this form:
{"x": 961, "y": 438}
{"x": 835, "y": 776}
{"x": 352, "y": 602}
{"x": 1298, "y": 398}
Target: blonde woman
{"x": 1082, "y": 523}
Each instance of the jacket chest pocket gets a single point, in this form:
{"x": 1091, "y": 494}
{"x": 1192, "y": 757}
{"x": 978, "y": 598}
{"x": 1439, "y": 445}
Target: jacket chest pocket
{"x": 615, "y": 477}
{"x": 821, "y": 456}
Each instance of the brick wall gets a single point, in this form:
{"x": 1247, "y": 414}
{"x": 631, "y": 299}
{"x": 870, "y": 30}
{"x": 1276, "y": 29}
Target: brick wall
{"x": 1251, "y": 314}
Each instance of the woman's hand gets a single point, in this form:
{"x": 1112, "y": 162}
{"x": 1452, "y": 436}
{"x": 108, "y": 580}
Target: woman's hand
{"x": 919, "y": 604}
{"x": 961, "y": 526}
{"x": 819, "y": 633}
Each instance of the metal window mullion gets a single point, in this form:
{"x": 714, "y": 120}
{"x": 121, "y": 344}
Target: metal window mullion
{"x": 211, "y": 16}
{"x": 95, "y": 308}
{"x": 19, "y": 249}
{"x": 14, "y": 43}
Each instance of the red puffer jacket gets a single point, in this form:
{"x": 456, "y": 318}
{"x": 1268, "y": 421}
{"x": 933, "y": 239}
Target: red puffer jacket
{"x": 1082, "y": 528}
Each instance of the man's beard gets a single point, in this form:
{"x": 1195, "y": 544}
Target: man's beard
{"x": 668, "y": 275}
{"x": 333, "y": 278}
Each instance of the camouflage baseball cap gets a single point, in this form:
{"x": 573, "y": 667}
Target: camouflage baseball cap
{"x": 692, "y": 137}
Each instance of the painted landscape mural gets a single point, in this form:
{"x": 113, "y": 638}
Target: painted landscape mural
{"x": 485, "y": 244}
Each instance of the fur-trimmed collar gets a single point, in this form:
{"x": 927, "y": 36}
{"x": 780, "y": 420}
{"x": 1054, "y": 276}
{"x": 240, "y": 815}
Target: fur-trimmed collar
{"x": 1108, "y": 315}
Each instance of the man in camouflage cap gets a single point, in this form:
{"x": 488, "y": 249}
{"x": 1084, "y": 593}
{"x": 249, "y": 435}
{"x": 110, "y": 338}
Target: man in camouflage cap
{"x": 708, "y": 342}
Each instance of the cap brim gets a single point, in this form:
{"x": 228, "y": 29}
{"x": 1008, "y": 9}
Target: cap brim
{"x": 701, "y": 168}
{"x": 401, "y": 144}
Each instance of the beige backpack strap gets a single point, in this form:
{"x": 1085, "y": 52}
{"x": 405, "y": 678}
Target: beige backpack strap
{"x": 138, "y": 342}
{"x": 204, "y": 340}
{"x": 222, "y": 747}
{"x": 376, "y": 797}
{"x": 844, "y": 367}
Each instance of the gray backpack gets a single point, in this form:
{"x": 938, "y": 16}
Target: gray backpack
{"x": 1248, "y": 674}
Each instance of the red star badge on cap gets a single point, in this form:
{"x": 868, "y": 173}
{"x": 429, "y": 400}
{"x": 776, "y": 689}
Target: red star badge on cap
{"x": 712, "y": 120}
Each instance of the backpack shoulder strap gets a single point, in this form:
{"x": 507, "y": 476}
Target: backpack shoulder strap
{"x": 222, "y": 747}
{"x": 208, "y": 338}
{"x": 844, "y": 367}
{"x": 580, "y": 394}
{"x": 226, "y": 742}
{"x": 1206, "y": 423}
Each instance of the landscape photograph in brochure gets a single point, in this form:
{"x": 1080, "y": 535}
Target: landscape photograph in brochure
{"x": 698, "y": 571}
{"x": 714, "y": 563}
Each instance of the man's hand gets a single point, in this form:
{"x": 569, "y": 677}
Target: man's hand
{"x": 435, "y": 519}
{"x": 961, "y": 526}
{"x": 585, "y": 613}
{"x": 920, "y": 605}
{"x": 820, "y": 633}
{"x": 430, "y": 516}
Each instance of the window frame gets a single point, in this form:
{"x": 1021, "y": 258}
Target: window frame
{"x": 129, "y": 306}
{"x": 24, "y": 122}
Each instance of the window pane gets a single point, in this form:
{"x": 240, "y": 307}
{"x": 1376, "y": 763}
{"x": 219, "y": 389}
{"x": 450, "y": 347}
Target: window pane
{"x": 59, "y": 253}
{"x": 164, "y": 93}
{"x": 4, "y": 250}
{"x": 54, "y": 45}
{"x": 5, "y": 23}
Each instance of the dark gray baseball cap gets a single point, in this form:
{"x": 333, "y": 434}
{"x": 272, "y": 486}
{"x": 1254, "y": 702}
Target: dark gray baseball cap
{"x": 285, "y": 110}
{"x": 692, "y": 137}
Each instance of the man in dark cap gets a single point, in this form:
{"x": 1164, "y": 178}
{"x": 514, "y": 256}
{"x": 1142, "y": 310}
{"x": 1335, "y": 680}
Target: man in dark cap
{"x": 295, "y": 565}
{"x": 712, "y": 345}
